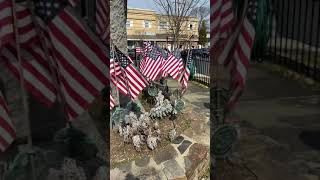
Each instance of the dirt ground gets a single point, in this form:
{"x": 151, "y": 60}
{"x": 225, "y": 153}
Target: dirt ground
{"x": 121, "y": 152}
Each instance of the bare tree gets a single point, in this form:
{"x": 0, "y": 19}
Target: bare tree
{"x": 177, "y": 13}
{"x": 201, "y": 12}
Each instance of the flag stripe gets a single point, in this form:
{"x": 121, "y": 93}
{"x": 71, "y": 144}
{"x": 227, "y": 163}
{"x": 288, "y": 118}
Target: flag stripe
{"x": 7, "y": 131}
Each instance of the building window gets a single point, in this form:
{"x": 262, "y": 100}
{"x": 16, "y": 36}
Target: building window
{"x": 163, "y": 25}
{"x": 129, "y": 23}
{"x": 147, "y": 24}
{"x": 190, "y": 27}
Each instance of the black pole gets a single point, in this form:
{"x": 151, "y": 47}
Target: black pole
{"x": 292, "y": 33}
{"x": 303, "y": 63}
{"x": 281, "y": 30}
{"x": 287, "y": 32}
{"x": 310, "y": 40}
{"x": 298, "y": 34}
{"x": 315, "y": 68}
{"x": 276, "y": 29}
{"x": 270, "y": 27}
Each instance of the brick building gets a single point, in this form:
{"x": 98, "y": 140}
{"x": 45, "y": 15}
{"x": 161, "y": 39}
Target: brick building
{"x": 147, "y": 25}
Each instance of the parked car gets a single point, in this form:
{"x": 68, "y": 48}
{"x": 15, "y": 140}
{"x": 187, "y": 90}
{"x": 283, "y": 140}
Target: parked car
{"x": 195, "y": 52}
{"x": 205, "y": 51}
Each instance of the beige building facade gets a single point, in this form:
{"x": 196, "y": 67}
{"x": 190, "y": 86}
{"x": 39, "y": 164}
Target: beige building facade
{"x": 147, "y": 25}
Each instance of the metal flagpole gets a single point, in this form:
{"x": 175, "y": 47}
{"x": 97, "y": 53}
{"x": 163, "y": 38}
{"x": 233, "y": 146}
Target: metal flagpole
{"x": 23, "y": 91}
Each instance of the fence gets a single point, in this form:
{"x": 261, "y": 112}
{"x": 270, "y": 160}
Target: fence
{"x": 199, "y": 68}
{"x": 294, "y": 36}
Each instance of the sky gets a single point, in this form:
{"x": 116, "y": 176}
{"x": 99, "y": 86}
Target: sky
{"x": 144, "y": 4}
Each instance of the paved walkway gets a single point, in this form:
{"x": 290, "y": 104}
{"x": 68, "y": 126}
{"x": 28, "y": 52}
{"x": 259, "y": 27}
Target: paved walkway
{"x": 187, "y": 157}
{"x": 273, "y": 113}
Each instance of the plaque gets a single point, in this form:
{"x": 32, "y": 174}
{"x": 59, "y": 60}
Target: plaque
{"x": 223, "y": 140}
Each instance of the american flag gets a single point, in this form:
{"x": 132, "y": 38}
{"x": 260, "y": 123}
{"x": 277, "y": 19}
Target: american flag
{"x": 6, "y": 22}
{"x": 37, "y": 75}
{"x": 173, "y": 65}
{"x": 82, "y": 65}
{"x": 242, "y": 53}
{"x": 152, "y": 65}
{"x": 118, "y": 77}
{"x": 7, "y": 131}
{"x": 147, "y": 47}
{"x": 73, "y": 3}
{"x": 222, "y": 21}
{"x": 134, "y": 80}
{"x": 102, "y": 19}
{"x": 186, "y": 73}
{"x": 112, "y": 102}
{"x": 139, "y": 50}
{"x": 24, "y": 24}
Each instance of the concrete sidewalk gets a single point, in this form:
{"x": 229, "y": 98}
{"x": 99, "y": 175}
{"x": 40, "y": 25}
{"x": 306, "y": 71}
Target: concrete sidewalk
{"x": 272, "y": 114}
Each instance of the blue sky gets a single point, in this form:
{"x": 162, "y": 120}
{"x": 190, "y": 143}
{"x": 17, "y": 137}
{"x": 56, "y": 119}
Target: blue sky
{"x": 145, "y": 4}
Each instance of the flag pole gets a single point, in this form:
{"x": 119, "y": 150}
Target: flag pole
{"x": 23, "y": 91}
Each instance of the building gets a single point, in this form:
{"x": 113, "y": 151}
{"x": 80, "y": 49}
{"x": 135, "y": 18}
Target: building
{"x": 147, "y": 25}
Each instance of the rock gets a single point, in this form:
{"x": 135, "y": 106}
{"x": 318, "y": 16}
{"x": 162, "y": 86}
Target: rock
{"x": 161, "y": 176}
{"x": 172, "y": 170}
{"x": 147, "y": 174}
{"x": 165, "y": 154}
{"x": 187, "y": 162}
{"x": 184, "y": 146}
{"x": 178, "y": 140}
{"x": 199, "y": 157}
{"x": 144, "y": 161}
{"x": 125, "y": 167}
{"x": 118, "y": 174}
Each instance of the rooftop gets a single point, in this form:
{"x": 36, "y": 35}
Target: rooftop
{"x": 141, "y": 9}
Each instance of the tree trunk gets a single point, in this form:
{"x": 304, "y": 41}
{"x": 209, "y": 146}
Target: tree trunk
{"x": 118, "y": 33}
{"x": 118, "y": 19}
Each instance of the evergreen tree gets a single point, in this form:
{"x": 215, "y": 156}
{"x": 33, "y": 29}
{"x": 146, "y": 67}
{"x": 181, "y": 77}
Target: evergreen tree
{"x": 203, "y": 33}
